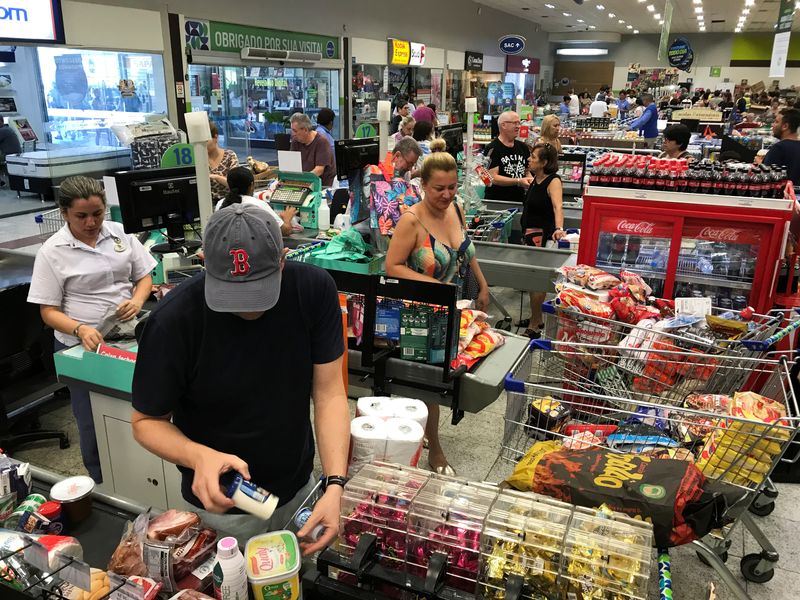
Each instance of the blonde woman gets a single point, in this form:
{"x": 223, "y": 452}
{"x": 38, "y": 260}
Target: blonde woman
{"x": 551, "y": 125}
{"x": 405, "y": 128}
{"x": 430, "y": 244}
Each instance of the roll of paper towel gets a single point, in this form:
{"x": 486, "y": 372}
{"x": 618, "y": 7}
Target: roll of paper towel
{"x": 403, "y": 441}
{"x": 408, "y": 408}
{"x": 367, "y": 442}
{"x": 375, "y": 406}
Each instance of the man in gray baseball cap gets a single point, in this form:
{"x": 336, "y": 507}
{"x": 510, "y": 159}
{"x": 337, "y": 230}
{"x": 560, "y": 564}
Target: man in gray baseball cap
{"x": 226, "y": 365}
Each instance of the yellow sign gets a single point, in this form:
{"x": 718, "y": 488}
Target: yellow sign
{"x": 399, "y": 52}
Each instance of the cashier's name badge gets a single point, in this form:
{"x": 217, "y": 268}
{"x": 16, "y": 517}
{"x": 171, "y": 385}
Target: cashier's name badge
{"x": 119, "y": 246}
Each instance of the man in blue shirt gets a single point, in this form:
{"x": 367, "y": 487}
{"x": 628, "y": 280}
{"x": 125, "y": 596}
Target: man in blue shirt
{"x": 623, "y": 105}
{"x": 648, "y": 122}
{"x": 325, "y": 119}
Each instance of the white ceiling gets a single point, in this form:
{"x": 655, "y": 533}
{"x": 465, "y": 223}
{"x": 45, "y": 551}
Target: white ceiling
{"x": 762, "y": 16}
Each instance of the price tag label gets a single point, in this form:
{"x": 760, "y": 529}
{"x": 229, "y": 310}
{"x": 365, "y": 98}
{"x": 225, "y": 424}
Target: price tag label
{"x": 75, "y": 571}
{"x": 124, "y": 589}
{"x": 36, "y": 555}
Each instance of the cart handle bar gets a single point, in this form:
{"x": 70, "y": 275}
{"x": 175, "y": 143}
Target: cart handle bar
{"x": 764, "y": 345}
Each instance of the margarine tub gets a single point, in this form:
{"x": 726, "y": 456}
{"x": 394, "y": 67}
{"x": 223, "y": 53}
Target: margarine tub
{"x": 273, "y": 566}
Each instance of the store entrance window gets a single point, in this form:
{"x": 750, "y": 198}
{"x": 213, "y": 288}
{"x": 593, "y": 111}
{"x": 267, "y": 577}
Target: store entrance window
{"x": 252, "y": 105}
{"x": 87, "y": 92}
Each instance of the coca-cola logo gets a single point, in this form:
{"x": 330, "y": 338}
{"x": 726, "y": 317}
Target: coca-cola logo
{"x": 725, "y": 234}
{"x": 640, "y": 227}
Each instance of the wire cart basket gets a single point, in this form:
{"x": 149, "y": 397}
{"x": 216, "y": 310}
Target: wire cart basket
{"x": 491, "y": 225}
{"x": 51, "y": 221}
{"x": 600, "y": 387}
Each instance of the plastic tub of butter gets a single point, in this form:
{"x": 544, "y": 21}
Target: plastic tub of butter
{"x": 75, "y": 495}
{"x": 273, "y": 566}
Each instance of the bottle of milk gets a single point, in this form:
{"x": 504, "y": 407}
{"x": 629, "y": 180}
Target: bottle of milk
{"x": 230, "y": 574}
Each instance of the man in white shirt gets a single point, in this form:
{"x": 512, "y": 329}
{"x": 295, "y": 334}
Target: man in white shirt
{"x": 598, "y": 108}
{"x": 574, "y": 104}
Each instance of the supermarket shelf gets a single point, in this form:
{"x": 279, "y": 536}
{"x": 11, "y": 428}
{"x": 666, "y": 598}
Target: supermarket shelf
{"x": 711, "y": 280}
{"x": 596, "y": 191}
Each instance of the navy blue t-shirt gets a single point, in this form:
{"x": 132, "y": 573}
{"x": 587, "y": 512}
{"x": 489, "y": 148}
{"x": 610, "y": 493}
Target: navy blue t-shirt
{"x": 242, "y": 387}
{"x": 786, "y": 153}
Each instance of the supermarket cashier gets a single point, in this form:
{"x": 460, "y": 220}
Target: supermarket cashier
{"x": 226, "y": 366}
{"x": 89, "y": 269}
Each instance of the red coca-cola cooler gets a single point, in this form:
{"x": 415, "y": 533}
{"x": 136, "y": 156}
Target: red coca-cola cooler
{"x": 724, "y": 247}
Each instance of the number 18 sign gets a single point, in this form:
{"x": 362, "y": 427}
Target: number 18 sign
{"x": 178, "y": 155}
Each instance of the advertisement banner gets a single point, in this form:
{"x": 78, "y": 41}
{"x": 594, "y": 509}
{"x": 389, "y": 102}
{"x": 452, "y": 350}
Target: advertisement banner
{"x": 473, "y": 61}
{"x": 522, "y": 64}
{"x": 680, "y": 54}
{"x": 783, "y": 34}
{"x": 638, "y": 227}
{"x": 216, "y": 36}
{"x": 664, "y": 41}
{"x": 416, "y": 57}
{"x": 721, "y": 233}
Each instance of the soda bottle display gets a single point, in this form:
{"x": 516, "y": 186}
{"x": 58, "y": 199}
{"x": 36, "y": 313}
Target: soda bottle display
{"x": 604, "y": 244}
{"x": 617, "y": 250}
{"x": 632, "y": 253}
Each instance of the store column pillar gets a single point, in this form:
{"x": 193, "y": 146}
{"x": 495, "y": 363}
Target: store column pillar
{"x": 384, "y": 116}
{"x": 470, "y": 107}
{"x": 199, "y": 133}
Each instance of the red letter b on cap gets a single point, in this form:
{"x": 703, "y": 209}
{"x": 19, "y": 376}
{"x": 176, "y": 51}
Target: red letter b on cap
{"x": 241, "y": 264}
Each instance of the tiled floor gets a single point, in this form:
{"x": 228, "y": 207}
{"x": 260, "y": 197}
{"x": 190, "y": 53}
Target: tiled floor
{"x": 472, "y": 447}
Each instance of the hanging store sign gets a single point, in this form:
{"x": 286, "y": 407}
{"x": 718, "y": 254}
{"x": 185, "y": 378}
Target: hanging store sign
{"x": 216, "y": 36}
{"x": 417, "y": 56}
{"x": 512, "y": 44}
{"x": 522, "y": 64}
{"x": 783, "y": 33}
{"x": 664, "y": 40}
{"x": 680, "y": 54}
{"x": 399, "y": 52}
{"x": 473, "y": 61}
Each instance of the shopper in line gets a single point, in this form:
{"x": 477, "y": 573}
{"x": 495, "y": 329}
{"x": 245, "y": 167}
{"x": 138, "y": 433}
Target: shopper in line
{"x": 599, "y": 108}
{"x": 648, "y": 122}
{"x": 563, "y": 108}
{"x": 325, "y": 119}
{"x": 423, "y": 134}
{"x": 405, "y": 129}
{"x": 220, "y": 162}
{"x": 542, "y": 218}
{"x": 397, "y": 119}
{"x": 424, "y": 113}
{"x": 430, "y": 244}
{"x": 574, "y": 104}
{"x": 88, "y": 270}
{"x": 787, "y": 151}
{"x": 316, "y": 153}
{"x": 676, "y": 140}
{"x": 241, "y": 187}
{"x": 715, "y": 100}
{"x": 226, "y": 365}
{"x": 551, "y": 125}
{"x": 508, "y": 161}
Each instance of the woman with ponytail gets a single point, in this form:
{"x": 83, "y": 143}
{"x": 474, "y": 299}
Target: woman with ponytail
{"x": 241, "y": 187}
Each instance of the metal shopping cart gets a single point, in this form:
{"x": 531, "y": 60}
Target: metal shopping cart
{"x": 491, "y": 225}
{"x": 603, "y": 386}
{"x": 51, "y": 221}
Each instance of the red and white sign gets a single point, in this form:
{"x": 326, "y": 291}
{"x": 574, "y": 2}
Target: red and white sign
{"x": 725, "y": 234}
{"x": 417, "y": 57}
{"x": 118, "y": 353}
{"x": 644, "y": 228}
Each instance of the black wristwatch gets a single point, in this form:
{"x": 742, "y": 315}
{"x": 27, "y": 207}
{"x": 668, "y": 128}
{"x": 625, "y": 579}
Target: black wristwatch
{"x": 334, "y": 480}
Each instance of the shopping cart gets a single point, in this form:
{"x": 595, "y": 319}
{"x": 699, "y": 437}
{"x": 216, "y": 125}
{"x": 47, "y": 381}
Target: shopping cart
{"x": 491, "y": 225}
{"x": 307, "y": 504}
{"x": 762, "y": 334}
{"x": 51, "y": 221}
{"x": 603, "y": 386}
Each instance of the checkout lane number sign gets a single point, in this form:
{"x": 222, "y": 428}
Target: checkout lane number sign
{"x": 178, "y": 155}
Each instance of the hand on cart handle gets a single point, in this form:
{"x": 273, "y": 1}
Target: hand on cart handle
{"x": 326, "y": 513}
{"x": 208, "y": 466}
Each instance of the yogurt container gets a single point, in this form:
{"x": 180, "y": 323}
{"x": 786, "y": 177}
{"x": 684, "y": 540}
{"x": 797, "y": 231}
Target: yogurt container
{"x": 250, "y": 498}
{"x": 273, "y": 566}
{"x": 75, "y": 496}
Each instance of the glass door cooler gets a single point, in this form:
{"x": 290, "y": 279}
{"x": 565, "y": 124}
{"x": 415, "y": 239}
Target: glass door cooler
{"x": 684, "y": 245}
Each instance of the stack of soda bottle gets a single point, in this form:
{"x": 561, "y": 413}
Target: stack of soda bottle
{"x": 703, "y": 177}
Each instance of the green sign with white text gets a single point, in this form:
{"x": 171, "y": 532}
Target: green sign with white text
{"x": 216, "y": 36}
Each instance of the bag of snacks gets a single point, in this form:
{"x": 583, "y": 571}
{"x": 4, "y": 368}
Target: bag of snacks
{"x": 634, "y": 279}
{"x": 669, "y": 493}
{"x": 481, "y": 345}
{"x": 591, "y": 277}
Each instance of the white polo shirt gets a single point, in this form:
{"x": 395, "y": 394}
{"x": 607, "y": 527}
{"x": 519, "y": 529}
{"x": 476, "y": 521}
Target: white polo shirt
{"x": 84, "y": 281}
{"x": 598, "y": 108}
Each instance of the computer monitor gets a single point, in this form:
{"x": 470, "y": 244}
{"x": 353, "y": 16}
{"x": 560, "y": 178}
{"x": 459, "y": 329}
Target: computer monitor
{"x": 453, "y": 135}
{"x": 571, "y": 169}
{"x": 354, "y": 155}
{"x": 151, "y": 199}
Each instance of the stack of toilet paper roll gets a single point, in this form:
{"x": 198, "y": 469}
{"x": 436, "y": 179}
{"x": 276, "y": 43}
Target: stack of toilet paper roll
{"x": 387, "y": 429}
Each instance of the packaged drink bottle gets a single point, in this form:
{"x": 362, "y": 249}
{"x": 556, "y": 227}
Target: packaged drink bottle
{"x": 616, "y": 175}
{"x": 779, "y": 182}
{"x": 764, "y": 183}
{"x": 681, "y": 183}
{"x": 729, "y": 181}
{"x": 627, "y": 175}
{"x": 660, "y": 183}
{"x": 693, "y": 180}
{"x": 658, "y": 260}
{"x": 717, "y": 181}
{"x": 753, "y": 190}
{"x": 604, "y": 244}
{"x": 706, "y": 185}
{"x": 230, "y": 572}
{"x": 672, "y": 181}
{"x": 649, "y": 179}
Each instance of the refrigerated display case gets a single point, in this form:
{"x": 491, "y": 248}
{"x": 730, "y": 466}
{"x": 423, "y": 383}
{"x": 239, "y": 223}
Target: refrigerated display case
{"x": 727, "y": 248}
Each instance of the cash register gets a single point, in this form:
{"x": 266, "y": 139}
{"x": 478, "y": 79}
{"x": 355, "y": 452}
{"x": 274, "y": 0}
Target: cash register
{"x": 300, "y": 190}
